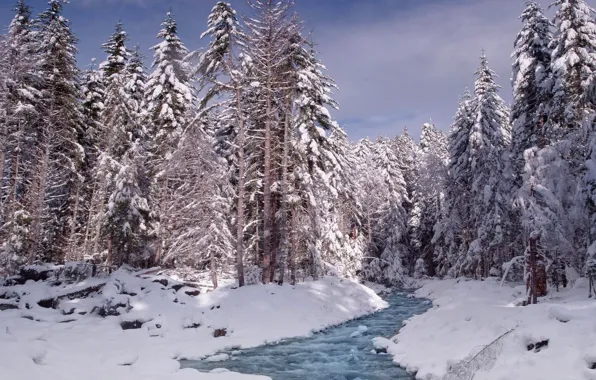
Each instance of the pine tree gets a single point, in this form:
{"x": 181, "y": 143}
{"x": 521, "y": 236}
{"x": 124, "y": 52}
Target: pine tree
{"x": 18, "y": 139}
{"x": 321, "y": 164}
{"x": 118, "y": 53}
{"x": 168, "y": 93}
{"x": 428, "y": 195}
{"x": 454, "y": 233}
{"x": 390, "y": 227}
{"x": 266, "y": 45}
{"x": 226, "y": 35}
{"x": 489, "y": 140}
{"x": 573, "y": 67}
{"x": 55, "y": 197}
{"x": 169, "y": 97}
{"x": 129, "y": 214}
{"x": 531, "y": 84}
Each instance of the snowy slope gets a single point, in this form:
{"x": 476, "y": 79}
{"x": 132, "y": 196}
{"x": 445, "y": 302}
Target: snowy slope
{"x": 468, "y": 315}
{"x": 34, "y": 344}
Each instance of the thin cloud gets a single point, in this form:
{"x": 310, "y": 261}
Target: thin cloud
{"x": 412, "y": 66}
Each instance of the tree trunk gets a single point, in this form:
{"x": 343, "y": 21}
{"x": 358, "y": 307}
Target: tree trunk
{"x": 213, "y": 270}
{"x": 294, "y": 246}
{"x": 38, "y": 203}
{"x": 72, "y": 249}
{"x": 267, "y": 183}
{"x": 241, "y": 195}
{"x": 284, "y": 244}
{"x": 531, "y": 271}
{"x": 3, "y": 147}
{"x": 536, "y": 284}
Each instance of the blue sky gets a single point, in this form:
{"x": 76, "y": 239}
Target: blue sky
{"x": 398, "y": 63}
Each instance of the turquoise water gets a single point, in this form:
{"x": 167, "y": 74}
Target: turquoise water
{"x": 334, "y": 354}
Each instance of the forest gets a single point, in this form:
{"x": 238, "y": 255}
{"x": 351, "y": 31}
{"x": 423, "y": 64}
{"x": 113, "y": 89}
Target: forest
{"x": 229, "y": 159}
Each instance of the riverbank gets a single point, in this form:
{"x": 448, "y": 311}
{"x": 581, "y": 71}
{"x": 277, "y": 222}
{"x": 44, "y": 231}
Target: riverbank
{"x": 126, "y": 328}
{"x": 555, "y": 339}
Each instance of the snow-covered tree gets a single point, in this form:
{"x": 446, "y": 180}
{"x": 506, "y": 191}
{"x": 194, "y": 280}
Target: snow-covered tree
{"x": 489, "y": 141}
{"x": 169, "y": 97}
{"x": 219, "y": 60}
{"x": 168, "y": 93}
{"x": 531, "y": 82}
{"x": 573, "y": 67}
{"x": 19, "y": 123}
{"x": 57, "y": 180}
{"x": 454, "y": 234}
{"x": 390, "y": 226}
{"x": 118, "y": 53}
{"x": 428, "y": 195}
{"x": 129, "y": 212}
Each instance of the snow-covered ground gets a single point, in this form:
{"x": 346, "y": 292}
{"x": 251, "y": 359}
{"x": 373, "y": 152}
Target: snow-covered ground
{"x": 469, "y": 315}
{"x": 71, "y": 341}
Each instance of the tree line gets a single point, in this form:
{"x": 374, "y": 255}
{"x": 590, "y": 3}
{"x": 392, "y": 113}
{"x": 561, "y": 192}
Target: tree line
{"x": 228, "y": 158}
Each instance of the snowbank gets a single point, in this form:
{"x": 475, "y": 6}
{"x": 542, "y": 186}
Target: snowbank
{"x": 165, "y": 321}
{"x": 555, "y": 339}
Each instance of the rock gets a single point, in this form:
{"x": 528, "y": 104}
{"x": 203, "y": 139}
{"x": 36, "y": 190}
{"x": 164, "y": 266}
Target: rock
{"x": 14, "y": 280}
{"x": 220, "y": 332}
{"x": 192, "y": 293}
{"x": 381, "y": 350}
{"x": 131, "y": 325}
{"x": 193, "y": 326}
{"x": 162, "y": 281}
{"x": 109, "y": 310}
{"x": 177, "y": 287}
{"x": 50, "y": 303}
{"x": 36, "y": 272}
{"x": 538, "y": 346}
{"x": 8, "y": 306}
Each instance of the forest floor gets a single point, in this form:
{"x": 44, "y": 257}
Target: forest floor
{"x": 125, "y": 327}
{"x": 553, "y": 340}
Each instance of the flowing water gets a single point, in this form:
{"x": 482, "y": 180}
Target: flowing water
{"x": 337, "y": 353}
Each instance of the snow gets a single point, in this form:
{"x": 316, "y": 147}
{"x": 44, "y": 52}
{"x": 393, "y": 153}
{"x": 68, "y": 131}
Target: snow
{"x": 469, "y": 315}
{"x": 35, "y": 344}
{"x": 359, "y": 331}
{"x": 218, "y": 358}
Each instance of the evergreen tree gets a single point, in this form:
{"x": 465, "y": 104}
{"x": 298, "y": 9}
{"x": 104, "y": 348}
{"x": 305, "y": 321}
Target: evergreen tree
{"x": 57, "y": 183}
{"x": 531, "y": 84}
{"x": 389, "y": 229}
{"x": 129, "y": 213}
{"x": 454, "y": 233}
{"x": 118, "y": 53}
{"x": 18, "y": 138}
{"x": 168, "y": 93}
{"x": 573, "y": 66}
{"x": 489, "y": 141}
{"x": 169, "y": 97}
{"x": 218, "y": 60}
{"x": 428, "y": 195}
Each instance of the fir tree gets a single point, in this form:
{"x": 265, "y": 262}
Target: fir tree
{"x": 218, "y": 60}
{"x": 118, "y": 53}
{"x": 168, "y": 93}
{"x": 489, "y": 141}
{"x": 531, "y": 84}
{"x": 573, "y": 66}
{"x": 454, "y": 233}
{"x": 55, "y": 199}
{"x": 428, "y": 195}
